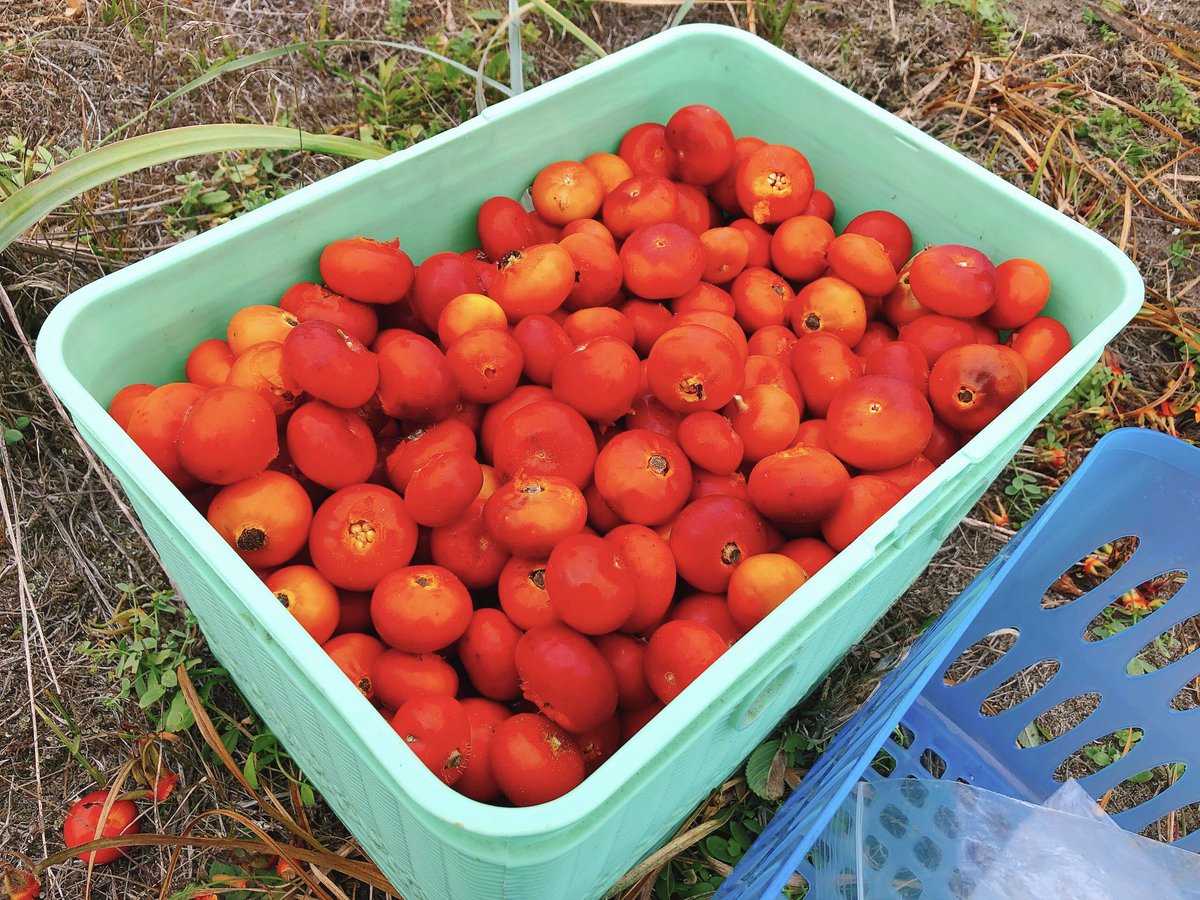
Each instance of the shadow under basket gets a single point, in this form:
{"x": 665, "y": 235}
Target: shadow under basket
{"x": 1039, "y": 661}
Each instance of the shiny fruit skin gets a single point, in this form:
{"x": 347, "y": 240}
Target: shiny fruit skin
{"x": 532, "y": 281}
{"x": 420, "y": 609}
{"x": 598, "y": 378}
{"x": 969, "y": 386}
{"x": 761, "y": 584}
{"x": 367, "y": 270}
{"x": 545, "y": 437}
{"x": 591, "y": 586}
{"x": 564, "y": 675}
{"x": 478, "y": 781}
{"x": 678, "y": 652}
{"x": 878, "y": 422}
{"x": 331, "y": 446}
{"x": 702, "y": 142}
{"x": 154, "y": 425}
{"x": 799, "y": 485}
{"x": 435, "y": 728}
{"x": 711, "y": 537}
{"x": 662, "y": 260}
{"x": 531, "y": 514}
{"x": 1041, "y": 342}
{"x": 265, "y": 518}
{"x": 649, "y": 557}
{"x": 355, "y": 654}
{"x": 694, "y": 368}
{"x": 953, "y": 280}
{"x": 645, "y": 477}
{"x": 534, "y": 760}
{"x": 441, "y": 489}
{"x": 487, "y": 650}
{"x": 823, "y": 364}
{"x": 1022, "y": 290}
{"x": 227, "y": 435}
{"x": 774, "y": 183}
{"x": 359, "y": 534}
{"x": 398, "y": 676}
{"x": 467, "y": 548}
{"x": 309, "y": 597}
{"x": 866, "y": 499}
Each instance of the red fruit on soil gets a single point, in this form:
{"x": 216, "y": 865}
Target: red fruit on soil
{"x": 87, "y": 821}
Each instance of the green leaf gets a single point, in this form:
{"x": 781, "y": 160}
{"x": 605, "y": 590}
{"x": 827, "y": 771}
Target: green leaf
{"x": 250, "y": 770}
{"x": 1029, "y": 737}
{"x": 1141, "y": 776}
{"x": 153, "y": 693}
{"x": 1139, "y": 666}
{"x": 758, "y": 768}
{"x": 179, "y": 716}
{"x": 306, "y": 794}
{"x": 30, "y": 204}
{"x": 718, "y": 848}
{"x": 13, "y": 436}
{"x": 214, "y": 198}
{"x": 21, "y": 422}
{"x": 740, "y": 834}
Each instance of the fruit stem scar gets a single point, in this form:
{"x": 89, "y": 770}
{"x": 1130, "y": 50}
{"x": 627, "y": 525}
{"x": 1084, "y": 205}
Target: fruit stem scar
{"x": 282, "y": 597}
{"x": 424, "y": 581}
{"x": 362, "y": 533}
{"x": 731, "y": 554}
{"x": 965, "y": 394}
{"x": 778, "y": 181}
{"x": 812, "y": 322}
{"x": 454, "y": 760}
{"x": 691, "y": 388}
{"x": 538, "y": 577}
{"x": 659, "y": 465}
{"x": 532, "y": 488}
{"x": 508, "y": 259}
{"x": 251, "y": 538}
{"x": 364, "y": 684}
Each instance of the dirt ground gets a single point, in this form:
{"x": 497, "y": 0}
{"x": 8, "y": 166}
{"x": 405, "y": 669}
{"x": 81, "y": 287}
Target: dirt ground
{"x": 73, "y": 72}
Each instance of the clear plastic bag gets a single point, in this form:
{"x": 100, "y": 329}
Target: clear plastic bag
{"x": 945, "y": 840}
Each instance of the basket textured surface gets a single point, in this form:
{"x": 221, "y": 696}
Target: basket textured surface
{"x": 138, "y": 325}
{"x": 1134, "y": 483}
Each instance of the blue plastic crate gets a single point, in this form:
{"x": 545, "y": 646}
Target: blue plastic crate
{"x": 1134, "y": 484}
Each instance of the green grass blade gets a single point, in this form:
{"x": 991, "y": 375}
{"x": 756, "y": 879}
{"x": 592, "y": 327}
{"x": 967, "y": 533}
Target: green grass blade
{"x": 513, "y": 15}
{"x": 516, "y": 63}
{"x": 27, "y": 206}
{"x": 570, "y": 27}
{"x": 245, "y": 62}
{"x": 684, "y": 8}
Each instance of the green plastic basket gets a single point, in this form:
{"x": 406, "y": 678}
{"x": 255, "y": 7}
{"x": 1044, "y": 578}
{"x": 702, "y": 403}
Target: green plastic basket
{"x": 138, "y": 325}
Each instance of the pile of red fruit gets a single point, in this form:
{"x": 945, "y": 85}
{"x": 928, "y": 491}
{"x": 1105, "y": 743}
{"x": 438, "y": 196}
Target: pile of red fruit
{"x": 536, "y": 488}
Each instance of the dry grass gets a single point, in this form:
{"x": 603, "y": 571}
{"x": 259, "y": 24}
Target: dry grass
{"x": 68, "y": 537}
